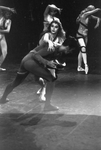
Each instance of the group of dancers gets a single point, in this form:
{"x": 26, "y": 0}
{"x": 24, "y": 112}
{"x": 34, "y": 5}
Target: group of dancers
{"x": 42, "y": 60}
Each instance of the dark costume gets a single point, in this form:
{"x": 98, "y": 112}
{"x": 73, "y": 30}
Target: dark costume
{"x": 34, "y": 62}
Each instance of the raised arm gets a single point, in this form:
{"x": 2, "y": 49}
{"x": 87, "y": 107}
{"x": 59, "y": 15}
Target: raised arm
{"x": 8, "y": 27}
{"x": 78, "y": 18}
{"x": 86, "y": 14}
{"x": 52, "y": 6}
{"x": 46, "y": 12}
{"x": 49, "y": 8}
{"x": 8, "y": 8}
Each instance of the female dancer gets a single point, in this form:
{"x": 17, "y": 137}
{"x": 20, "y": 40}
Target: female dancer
{"x": 5, "y": 25}
{"x": 82, "y": 34}
{"x": 49, "y": 15}
{"x": 37, "y": 63}
{"x": 50, "y": 12}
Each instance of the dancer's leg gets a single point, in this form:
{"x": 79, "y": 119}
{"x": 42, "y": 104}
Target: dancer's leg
{"x": 3, "y": 46}
{"x": 45, "y": 74}
{"x": 49, "y": 91}
{"x": 79, "y": 68}
{"x": 18, "y": 80}
{"x": 84, "y": 56}
{"x": 79, "y": 59}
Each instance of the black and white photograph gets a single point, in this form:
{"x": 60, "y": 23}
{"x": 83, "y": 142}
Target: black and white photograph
{"x": 50, "y": 74}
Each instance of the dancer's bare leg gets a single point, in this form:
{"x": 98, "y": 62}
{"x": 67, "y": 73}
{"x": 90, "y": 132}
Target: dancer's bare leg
{"x": 18, "y": 80}
{"x": 79, "y": 68}
{"x": 49, "y": 91}
{"x": 3, "y": 46}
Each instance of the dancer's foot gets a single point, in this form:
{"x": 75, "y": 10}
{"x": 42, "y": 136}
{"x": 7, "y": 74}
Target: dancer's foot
{"x": 53, "y": 72}
{"x": 2, "y": 69}
{"x": 42, "y": 98}
{"x": 3, "y": 101}
{"x": 60, "y": 65}
{"x": 50, "y": 107}
{"x": 86, "y": 69}
{"x": 39, "y": 91}
{"x": 79, "y": 68}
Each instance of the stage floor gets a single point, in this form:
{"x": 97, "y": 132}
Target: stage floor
{"x": 75, "y": 126}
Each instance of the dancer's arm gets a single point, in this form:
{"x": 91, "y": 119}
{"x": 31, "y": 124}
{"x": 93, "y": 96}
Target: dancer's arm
{"x": 58, "y": 42}
{"x": 50, "y": 43}
{"x": 40, "y": 59}
{"x": 49, "y": 8}
{"x": 53, "y": 7}
{"x": 98, "y": 21}
{"x": 86, "y": 14}
{"x": 77, "y": 19}
{"x": 8, "y": 8}
{"x": 43, "y": 61}
{"x": 8, "y": 27}
{"x": 39, "y": 53}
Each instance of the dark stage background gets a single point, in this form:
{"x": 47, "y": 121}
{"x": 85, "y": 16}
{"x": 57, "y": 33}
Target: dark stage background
{"x": 27, "y": 25}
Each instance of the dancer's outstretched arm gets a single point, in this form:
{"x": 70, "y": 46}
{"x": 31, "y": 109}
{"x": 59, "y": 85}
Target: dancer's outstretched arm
{"x": 8, "y": 8}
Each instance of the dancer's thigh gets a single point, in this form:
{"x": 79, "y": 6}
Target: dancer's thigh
{"x": 37, "y": 69}
{"x": 81, "y": 42}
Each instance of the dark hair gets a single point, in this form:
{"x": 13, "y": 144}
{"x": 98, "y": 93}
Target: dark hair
{"x": 61, "y": 32}
{"x": 6, "y": 14}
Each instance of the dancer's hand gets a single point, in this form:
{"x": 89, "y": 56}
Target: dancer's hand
{"x": 51, "y": 46}
{"x": 98, "y": 23}
{"x": 13, "y": 10}
{"x": 51, "y": 64}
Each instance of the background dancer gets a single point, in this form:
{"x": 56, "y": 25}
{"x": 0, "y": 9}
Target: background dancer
{"x": 5, "y": 26}
{"x": 82, "y": 34}
{"x": 50, "y": 12}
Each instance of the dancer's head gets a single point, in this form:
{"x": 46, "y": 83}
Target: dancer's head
{"x": 90, "y": 7}
{"x": 55, "y": 10}
{"x": 55, "y": 27}
{"x": 7, "y": 13}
